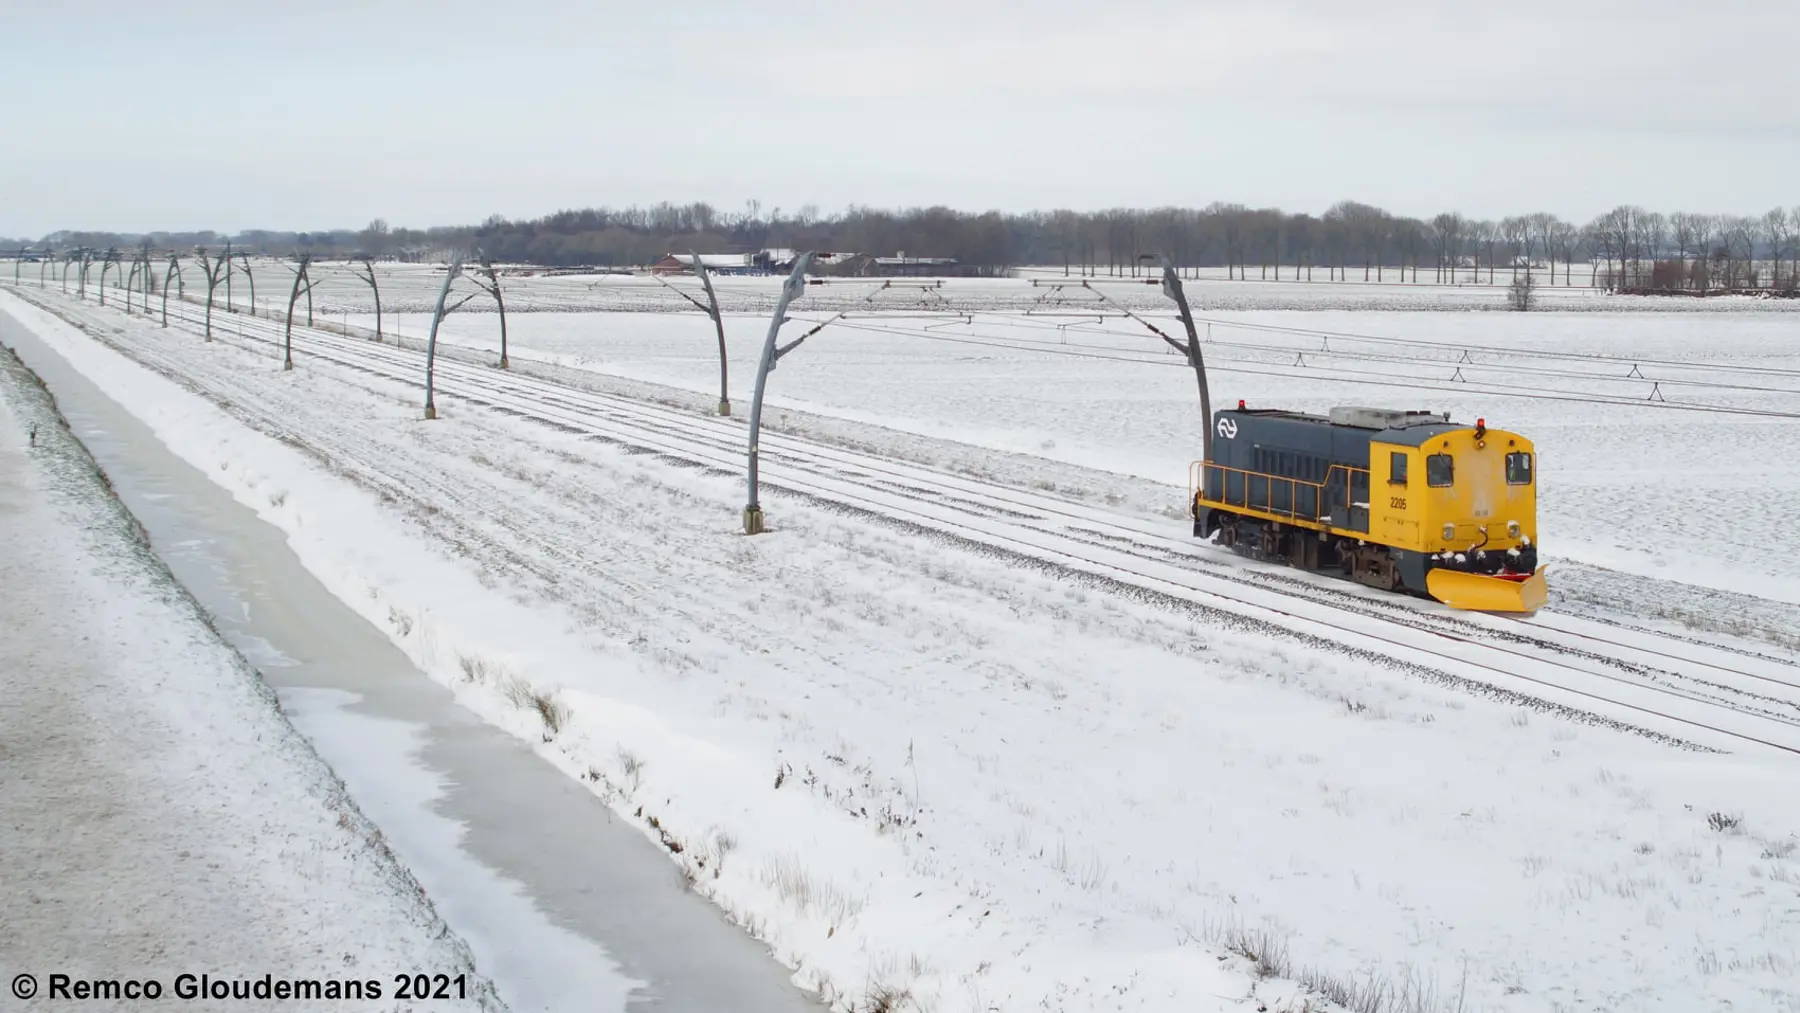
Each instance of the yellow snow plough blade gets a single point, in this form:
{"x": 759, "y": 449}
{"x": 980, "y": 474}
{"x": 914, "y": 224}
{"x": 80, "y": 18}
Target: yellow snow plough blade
{"x": 1478, "y": 593}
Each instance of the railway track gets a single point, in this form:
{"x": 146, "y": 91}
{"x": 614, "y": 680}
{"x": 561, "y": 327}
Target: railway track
{"x": 1664, "y": 686}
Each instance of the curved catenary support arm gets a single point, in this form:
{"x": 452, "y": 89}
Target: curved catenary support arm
{"x": 244, "y": 260}
{"x": 145, "y": 277}
{"x": 1172, "y": 288}
{"x": 368, "y": 265}
{"x": 287, "y": 340}
{"x": 712, "y": 310}
{"x": 790, "y": 290}
{"x": 212, "y": 269}
{"x": 431, "y": 342}
{"x": 130, "y": 280}
{"x": 44, "y": 265}
{"x": 174, "y": 269}
{"x": 106, "y": 263}
{"x": 492, "y": 287}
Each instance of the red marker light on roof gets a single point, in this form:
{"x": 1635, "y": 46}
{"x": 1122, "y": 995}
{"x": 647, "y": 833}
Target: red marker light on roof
{"x": 1481, "y": 423}
{"x": 1240, "y": 404}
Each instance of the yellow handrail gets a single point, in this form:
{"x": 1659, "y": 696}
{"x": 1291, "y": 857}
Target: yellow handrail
{"x": 1198, "y": 471}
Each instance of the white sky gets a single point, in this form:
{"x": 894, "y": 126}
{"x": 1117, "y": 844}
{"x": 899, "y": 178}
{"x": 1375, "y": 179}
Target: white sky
{"x": 330, "y": 113}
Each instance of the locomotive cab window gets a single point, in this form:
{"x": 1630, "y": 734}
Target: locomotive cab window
{"x": 1518, "y": 468}
{"x": 1396, "y": 469}
{"x": 1440, "y": 471}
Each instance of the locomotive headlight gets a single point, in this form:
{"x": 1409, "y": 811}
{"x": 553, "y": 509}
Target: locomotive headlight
{"x": 1449, "y": 532}
{"x": 1512, "y": 529}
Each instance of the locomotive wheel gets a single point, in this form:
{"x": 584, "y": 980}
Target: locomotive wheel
{"x": 1225, "y": 526}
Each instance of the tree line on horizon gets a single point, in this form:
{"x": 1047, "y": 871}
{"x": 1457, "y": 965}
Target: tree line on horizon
{"x": 1630, "y": 247}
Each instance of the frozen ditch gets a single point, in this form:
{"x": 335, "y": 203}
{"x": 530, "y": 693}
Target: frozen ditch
{"x": 563, "y": 906}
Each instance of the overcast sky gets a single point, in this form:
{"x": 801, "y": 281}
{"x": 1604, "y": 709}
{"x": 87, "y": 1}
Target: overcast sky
{"x": 328, "y": 114}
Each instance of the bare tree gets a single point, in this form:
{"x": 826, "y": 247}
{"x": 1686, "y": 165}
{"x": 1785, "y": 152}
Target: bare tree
{"x": 1609, "y": 244}
{"x": 1565, "y": 238}
{"x": 1446, "y": 238}
{"x": 1625, "y": 236}
{"x": 1740, "y": 238}
{"x": 1232, "y": 225}
{"x": 1335, "y": 234}
{"x": 1777, "y": 233}
{"x": 1705, "y": 235}
{"x": 1484, "y": 236}
{"x": 1522, "y": 295}
{"x": 1794, "y": 247}
{"x": 1377, "y": 230}
{"x": 1652, "y": 235}
{"x": 1682, "y": 234}
{"x": 1409, "y": 236}
{"x": 1543, "y": 229}
{"x": 375, "y": 239}
{"x": 1517, "y": 234}
{"x": 1271, "y": 239}
{"x": 1301, "y": 232}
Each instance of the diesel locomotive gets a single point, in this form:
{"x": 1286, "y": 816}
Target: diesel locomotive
{"x": 1406, "y": 501}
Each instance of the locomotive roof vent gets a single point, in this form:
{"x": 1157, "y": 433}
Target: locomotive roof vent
{"x": 1384, "y": 418}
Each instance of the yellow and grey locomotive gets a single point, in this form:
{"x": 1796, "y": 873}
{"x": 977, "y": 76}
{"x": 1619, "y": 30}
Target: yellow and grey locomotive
{"x": 1400, "y": 500}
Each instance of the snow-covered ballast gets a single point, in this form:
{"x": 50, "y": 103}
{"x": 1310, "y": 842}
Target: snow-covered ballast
{"x": 1395, "y": 499}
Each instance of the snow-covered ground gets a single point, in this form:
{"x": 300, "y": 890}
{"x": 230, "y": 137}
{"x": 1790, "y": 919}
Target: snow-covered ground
{"x": 916, "y": 769}
{"x": 339, "y": 288}
{"x": 1694, "y": 496}
{"x": 563, "y": 906}
{"x": 160, "y": 815}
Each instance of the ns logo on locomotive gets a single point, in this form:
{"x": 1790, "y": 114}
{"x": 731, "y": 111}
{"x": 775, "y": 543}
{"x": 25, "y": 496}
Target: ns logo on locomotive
{"x": 1400, "y": 500}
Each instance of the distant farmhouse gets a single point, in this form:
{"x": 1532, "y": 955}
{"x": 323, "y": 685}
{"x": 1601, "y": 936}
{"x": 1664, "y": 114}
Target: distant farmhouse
{"x": 862, "y": 265}
{"x": 716, "y": 263}
{"x": 828, "y": 263}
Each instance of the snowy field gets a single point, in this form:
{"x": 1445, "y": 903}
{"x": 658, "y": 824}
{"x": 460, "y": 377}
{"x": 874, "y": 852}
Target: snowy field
{"x": 1637, "y": 484}
{"x": 340, "y": 288}
{"x": 928, "y": 776}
